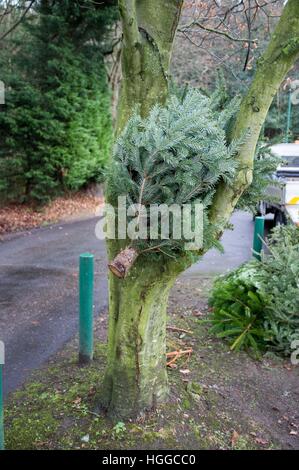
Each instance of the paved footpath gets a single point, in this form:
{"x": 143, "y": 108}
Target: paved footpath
{"x": 38, "y": 287}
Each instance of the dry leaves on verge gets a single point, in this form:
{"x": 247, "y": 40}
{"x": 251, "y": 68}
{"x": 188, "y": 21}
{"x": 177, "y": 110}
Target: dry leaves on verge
{"x": 18, "y": 217}
{"x": 234, "y": 438}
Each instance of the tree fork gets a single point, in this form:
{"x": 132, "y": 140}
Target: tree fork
{"x": 136, "y": 378}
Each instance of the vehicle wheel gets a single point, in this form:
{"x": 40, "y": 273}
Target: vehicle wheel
{"x": 280, "y": 218}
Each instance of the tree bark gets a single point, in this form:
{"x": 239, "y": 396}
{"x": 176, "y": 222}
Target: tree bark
{"x": 148, "y": 32}
{"x": 136, "y": 378}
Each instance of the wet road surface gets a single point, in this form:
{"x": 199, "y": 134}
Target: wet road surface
{"x": 39, "y": 294}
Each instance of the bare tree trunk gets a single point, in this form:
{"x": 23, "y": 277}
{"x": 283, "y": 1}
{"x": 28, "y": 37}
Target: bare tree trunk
{"x": 136, "y": 377}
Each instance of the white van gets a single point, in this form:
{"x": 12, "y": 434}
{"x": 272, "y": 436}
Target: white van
{"x": 287, "y": 194}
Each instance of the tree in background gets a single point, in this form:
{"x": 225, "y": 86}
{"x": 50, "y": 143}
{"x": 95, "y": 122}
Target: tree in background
{"x": 231, "y": 37}
{"x": 136, "y": 378}
{"x": 12, "y": 13}
{"x": 56, "y": 129}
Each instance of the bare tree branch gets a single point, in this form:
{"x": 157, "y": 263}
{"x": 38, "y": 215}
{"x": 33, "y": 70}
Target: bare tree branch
{"x": 186, "y": 27}
{"x": 14, "y": 26}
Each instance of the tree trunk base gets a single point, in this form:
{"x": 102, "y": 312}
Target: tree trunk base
{"x": 120, "y": 400}
{"x": 136, "y": 377}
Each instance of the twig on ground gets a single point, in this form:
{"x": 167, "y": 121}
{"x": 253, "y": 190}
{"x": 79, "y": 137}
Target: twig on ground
{"x": 87, "y": 411}
{"x": 174, "y": 328}
{"x": 176, "y": 354}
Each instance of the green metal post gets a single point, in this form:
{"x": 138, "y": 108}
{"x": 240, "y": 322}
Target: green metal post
{"x": 289, "y": 116}
{"x": 86, "y": 275}
{"x": 259, "y": 228}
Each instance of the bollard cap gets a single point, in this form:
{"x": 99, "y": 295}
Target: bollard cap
{"x": 86, "y": 255}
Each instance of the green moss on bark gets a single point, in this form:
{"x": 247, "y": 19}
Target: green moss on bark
{"x": 136, "y": 377}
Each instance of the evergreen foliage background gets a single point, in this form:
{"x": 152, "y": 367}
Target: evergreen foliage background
{"x": 276, "y": 122}
{"x": 265, "y": 162}
{"x": 55, "y": 129}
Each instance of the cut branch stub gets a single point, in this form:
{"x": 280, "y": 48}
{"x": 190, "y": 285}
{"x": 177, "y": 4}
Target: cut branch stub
{"x": 123, "y": 262}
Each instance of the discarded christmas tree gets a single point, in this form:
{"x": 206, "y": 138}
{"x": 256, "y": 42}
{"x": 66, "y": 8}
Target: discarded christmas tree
{"x": 174, "y": 157}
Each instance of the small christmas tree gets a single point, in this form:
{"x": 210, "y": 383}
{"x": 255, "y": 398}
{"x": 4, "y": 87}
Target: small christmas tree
{"x": 177, "y": 155}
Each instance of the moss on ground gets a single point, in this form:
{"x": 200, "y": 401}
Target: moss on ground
{"x": 218, "y": 399}
{"x": 58, "y": 411}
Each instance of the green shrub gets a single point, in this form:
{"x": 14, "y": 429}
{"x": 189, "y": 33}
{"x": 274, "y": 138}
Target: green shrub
{"x": 257, "y": 306}
{"x": 178, "y": 155}
{"x": 238, "y": 310}
{"x": 279, "y": 281}
{"x": 56, "y": 128}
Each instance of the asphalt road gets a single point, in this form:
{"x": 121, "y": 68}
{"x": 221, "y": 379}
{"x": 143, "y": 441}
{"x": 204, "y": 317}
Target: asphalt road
{"x": 237, "y": 244}
{"x": 38, "y": 287}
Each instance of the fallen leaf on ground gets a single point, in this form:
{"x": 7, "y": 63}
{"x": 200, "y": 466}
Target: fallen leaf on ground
{"x": 197, "y": 313}
{"x": 234, "y": 438}
{"x": 261, "y": 441}
{"x": 173, "y": 366}
{"x": 185, "y": 371}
